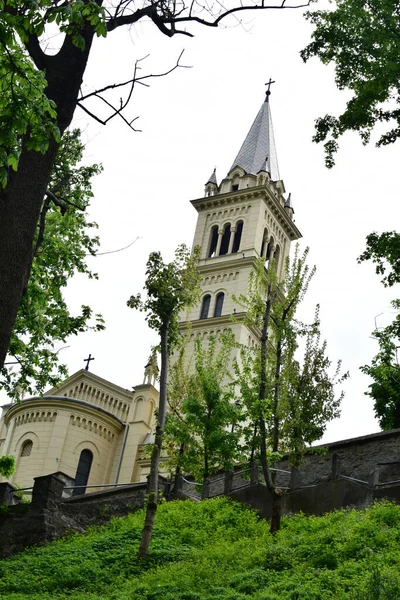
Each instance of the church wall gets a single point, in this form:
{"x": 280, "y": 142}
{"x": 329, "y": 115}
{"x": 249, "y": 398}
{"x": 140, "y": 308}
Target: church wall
{"x": 141, "y": 423}
{"x": 81, "y": 436}
{"x": 59, "y": 430}
{"x": 37, "y": 427}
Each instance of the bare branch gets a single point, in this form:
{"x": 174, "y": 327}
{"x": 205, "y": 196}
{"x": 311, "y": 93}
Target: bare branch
{"x": 162, "y": 16}
{"x": 123, "y": 103}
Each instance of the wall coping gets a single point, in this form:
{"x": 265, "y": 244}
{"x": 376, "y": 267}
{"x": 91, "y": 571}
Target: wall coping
{"x": 363, "y": 439}
{"x": 62, "y": 402}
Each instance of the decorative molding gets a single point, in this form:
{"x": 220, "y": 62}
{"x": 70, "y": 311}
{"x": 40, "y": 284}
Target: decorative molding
{"x": 35, "y": 417}
{"x": 92, "y": 426}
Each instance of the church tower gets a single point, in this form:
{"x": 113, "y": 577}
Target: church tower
{"x": 245, "y": 217}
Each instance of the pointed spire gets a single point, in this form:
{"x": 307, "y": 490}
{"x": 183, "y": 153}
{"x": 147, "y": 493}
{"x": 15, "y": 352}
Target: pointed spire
{"x": 288, "y": 205}
{"x": 258, "y": 152}
{"x": 213, "y": 177}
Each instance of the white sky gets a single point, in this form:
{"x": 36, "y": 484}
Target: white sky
{"x": 196, "y": 119}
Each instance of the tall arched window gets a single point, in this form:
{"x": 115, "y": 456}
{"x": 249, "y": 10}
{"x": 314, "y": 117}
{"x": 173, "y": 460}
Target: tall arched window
{"x": 270, "y": 246}
{"x": 219, "y": 304}
{"x": 238, "y": 236}
{"x": 213, "y": 241}
{"x": 26, "y": 448}
{"x": 205, "y": 307}
{"x": 277, "y": 254}
{"x": 226, "y": 237}
{"x": 264, "y": 243}
{"x": 82, "y": 472}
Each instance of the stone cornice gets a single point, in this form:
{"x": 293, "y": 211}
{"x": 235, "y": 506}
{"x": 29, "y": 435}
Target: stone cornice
{"x": 64, "y": 403}
{"x": 211, "y": 202}
{"x": 91, "y": 379}
{"x": 216, "y": 264}
{"x": 218, "y": 322}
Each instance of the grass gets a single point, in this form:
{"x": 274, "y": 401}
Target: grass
{"x": 217, "y": 550}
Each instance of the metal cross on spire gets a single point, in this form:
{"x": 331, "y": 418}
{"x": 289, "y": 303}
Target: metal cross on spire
{"x": 87, "y": 361}
{"x": 268, "y": 92}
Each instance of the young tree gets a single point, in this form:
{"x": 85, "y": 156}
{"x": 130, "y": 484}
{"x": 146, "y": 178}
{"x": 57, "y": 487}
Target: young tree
{"x": 207, "y": 426}
{"x": 170, "y": 287}
{"x": 39, "y": 91}
{"x": 309, "y": 399}
{"x": 62, "y": 242}
{"x": 362, "y": 39}
{"x": 384, "y": 251}
{"x": 286, "y": 392}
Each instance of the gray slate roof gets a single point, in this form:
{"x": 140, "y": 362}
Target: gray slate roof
{"x": 213, "y": 178}
{"x": 258, "y": 152}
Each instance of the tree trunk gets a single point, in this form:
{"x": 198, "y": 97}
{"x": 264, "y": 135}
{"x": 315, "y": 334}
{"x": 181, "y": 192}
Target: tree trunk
{"x": 275, "y": 492}
{"x": 21, "y": 200}
{"x": 275, "y": 442}
{"x": 20, "y": 205}
{"x": 152, "y": 500}
{"x": 276, "y": 512}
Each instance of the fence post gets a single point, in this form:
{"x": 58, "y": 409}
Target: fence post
{"x": 228, "y": 482}
{"x": 294, "y": 478}
{"x": 178, "y": 483}
{"x": 335, "y": 473}
{"x": 373, "y": 477}
{"x": 254, "y": 472}
{"x": 205, "y": 492}
{"x": 7, "y": 497}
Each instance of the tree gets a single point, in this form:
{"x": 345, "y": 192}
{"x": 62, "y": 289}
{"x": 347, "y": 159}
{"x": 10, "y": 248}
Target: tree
{"x": 384, "y": 251}
{"x": 62, "y": 242}
{"x": 309, "y": 399}
{"x": 362, "y": 39}
{"x": 292, "y": 402}
{"x": 205, "y": 425}
{"x": 39, "y": 91}
{"x": 170, "y": 287}
{"x": 7, "y": 465}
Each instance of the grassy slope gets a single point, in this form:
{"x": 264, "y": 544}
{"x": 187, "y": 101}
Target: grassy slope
{"x": 218, "y": 550}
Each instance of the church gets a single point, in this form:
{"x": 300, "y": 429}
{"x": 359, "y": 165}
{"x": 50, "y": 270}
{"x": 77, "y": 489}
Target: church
{"x": 95, "y": 431}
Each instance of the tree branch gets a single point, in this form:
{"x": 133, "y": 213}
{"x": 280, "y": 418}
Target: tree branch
{"x": 123, "y": 104}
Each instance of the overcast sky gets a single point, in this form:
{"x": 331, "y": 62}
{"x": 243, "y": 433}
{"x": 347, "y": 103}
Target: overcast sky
{"x": 196, "y": 119}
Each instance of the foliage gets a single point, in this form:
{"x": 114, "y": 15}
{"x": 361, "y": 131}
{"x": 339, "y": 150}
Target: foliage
{"x": 218, "y": 549}
{"x": 44, "y": 320}
{"x": 384, "y": 251}
{"x": 299, "y": 397}
{"x": 24, "y": 105}
{"x": 206, "y": 427}
{"x": 7, "y": 465}
{"x": 362, "y": 39}
{"x": 309, "y": 397}
{"x": 170, "y": 287}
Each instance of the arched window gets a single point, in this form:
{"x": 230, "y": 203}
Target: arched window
{"x": 277, "y": 254}
{"x": 219, "y": 304}
{"x": 238, "y": 237}
{"x": 264, "y": 243}
{"x": 82, "y": 472}
{"x": 26, "y": 448}
{"x": 270, "y": 246}
{"x": 213, "y": 241}
{"x": 205, "y": 307}
{"x": 226, "y": 237}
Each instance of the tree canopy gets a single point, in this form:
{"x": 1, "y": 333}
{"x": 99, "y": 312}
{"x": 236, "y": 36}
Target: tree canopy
{"x": 361, "y": 38}
{"x": 170, "y": 288}
{"x": 384, "y": 251}
{"x": 40, "y": 89}
{"x": 63, "y": 240}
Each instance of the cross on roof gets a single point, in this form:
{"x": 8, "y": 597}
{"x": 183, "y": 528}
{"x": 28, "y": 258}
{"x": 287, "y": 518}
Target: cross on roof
{"x": 87, "y": 361}
{"x": 269, "y": 83}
